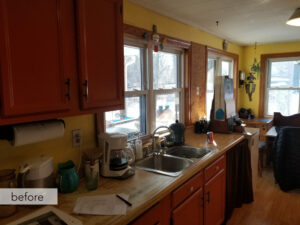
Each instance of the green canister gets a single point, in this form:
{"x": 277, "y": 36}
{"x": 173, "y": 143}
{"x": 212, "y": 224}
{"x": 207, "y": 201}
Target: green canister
{"x": 67, "y": 177}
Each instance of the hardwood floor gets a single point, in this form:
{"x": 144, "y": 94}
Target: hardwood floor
{"x": 271, "y": 206}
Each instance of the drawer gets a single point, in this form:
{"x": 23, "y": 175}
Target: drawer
{"x": 188, "y": 188}
{"x": 214, "y": 168}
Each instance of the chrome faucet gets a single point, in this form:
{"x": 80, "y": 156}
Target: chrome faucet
{"x": 154, "y": 150}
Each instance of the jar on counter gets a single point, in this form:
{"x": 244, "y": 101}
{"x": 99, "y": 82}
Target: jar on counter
{"x": 7, "y": 180}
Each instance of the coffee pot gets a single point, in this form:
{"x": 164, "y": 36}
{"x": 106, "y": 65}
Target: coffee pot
{"x": 117, "y": 156}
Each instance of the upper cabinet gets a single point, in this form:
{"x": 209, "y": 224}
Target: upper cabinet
{"x": 60, "y": 58}
{"x": 38, "y": 58}
{"x": 100, "y": 44}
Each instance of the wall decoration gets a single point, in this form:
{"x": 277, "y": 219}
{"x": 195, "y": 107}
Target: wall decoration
{"x": 250, "y": 85}
{"x": 155, "y": 38}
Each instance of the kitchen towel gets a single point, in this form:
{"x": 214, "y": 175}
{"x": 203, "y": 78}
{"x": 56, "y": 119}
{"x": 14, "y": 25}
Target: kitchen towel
{"x": 35, "y": 132}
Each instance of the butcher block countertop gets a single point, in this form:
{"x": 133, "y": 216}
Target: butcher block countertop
{"x": 144, "y": 188}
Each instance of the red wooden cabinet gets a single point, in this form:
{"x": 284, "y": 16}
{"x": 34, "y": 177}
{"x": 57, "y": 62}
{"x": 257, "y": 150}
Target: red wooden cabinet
{"x": 37, "y": 56}
{"x": 157, "y": 215}
{"x": 214, "y": 196}
{"x": 187, "y": 202}
{"x": 190, "y": 211}
{"x": 100, "y": 44}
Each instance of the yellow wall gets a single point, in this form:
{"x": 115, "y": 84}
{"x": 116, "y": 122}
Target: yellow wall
{"x": 247, "y": 60}
{"x": 144, "y": 18}
{"x": 61, "y": 148}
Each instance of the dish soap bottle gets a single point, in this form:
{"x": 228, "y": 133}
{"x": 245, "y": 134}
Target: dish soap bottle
{"x": 138, "y": 149}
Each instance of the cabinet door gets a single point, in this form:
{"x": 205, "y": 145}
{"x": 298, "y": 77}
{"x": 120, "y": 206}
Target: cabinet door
{"x": 37, "y": 56}
{"x": 214, "y": 211}
{"x": 190, "y": 211}
{"x": 157, "y": 215}
{"x": 100, "y": 35}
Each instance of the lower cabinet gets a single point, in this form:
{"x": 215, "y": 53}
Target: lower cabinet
{"x": 199, "y": 201}
{"x": 159, "y": 214}
{"x": 214, "y": 211}
{"x": 214, "y": 192}
{"x": 190, "y": 211}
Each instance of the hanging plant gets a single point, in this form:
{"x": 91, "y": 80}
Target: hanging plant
{"x": 255, "y": 67}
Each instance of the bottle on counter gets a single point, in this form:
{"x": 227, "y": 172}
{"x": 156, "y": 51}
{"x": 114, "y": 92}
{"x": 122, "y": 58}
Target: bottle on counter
{"x": 138, "y": 149}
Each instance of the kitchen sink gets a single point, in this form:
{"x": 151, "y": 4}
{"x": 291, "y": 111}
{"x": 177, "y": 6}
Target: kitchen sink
{"x": 186, "y": 151}
{"x": 164, "y": 164}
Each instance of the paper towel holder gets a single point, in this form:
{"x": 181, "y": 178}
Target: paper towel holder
{"x": 7, "y": 132}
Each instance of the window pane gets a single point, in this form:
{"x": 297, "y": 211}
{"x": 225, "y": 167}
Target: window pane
{"x": 285, "y": 74}
{"x": 165, "y": 70}
{"x": 133, "y": 58}
{"x": 130, "y": 121}
{"x": 227, "y": 68}
{"x": 211, "y": 70}
{"x": 284, "y": 101}
{"x": 167, "y": 109}
{"x": 209, "y": 99}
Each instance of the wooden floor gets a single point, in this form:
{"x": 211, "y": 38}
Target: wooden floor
{"x": 271, "y": 206}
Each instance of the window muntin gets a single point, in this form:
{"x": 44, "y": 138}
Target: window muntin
{"x": 158, "y": 86}
{"x": 283, "y": 86}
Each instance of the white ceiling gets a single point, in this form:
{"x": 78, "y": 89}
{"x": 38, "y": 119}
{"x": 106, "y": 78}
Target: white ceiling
{"x": 241, "y": 21}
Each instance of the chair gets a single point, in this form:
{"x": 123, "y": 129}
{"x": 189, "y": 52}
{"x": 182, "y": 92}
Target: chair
{"x": 286, "y": 157}
{"x": 280, "y": 120}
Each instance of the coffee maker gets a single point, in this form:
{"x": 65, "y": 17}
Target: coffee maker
{"x": 116, "y": 156}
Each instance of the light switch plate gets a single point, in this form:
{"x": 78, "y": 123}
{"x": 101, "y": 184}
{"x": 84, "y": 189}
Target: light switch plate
{"x": 76, "y": 138}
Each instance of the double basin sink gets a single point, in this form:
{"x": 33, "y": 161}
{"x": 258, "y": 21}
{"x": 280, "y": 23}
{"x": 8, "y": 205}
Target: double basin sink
{"x": 176, "y": 160}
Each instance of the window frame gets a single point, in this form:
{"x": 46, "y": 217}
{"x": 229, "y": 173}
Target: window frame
{"x": 268, "y": 81}
{"x": 147, "y": 89}
{"x": 265, "y": 59}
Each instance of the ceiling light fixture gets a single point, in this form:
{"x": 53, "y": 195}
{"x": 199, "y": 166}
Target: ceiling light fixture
{"x": 294, "y": 20}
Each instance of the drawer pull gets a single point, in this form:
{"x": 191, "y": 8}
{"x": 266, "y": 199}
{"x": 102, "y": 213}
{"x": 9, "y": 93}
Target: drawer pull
{"x": 191, "y": 188}
{"x": 217, "y": 168}
{"x": 68, "y": 83}
{"x": 86, "y": 87}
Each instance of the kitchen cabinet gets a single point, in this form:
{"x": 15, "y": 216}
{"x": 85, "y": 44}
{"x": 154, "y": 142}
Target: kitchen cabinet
{"x": 215, "y": 200}
{"x": 100, "y": 44}
{"x": 195, "y": 203}
{"x": 37, "y": 56}
{"x": 159, "y": 214}
{"x": 190, "y": 211}
{"x": 187, "y": 202}
{"x": 60, "y": 58}
{"x": 214, "y": 192}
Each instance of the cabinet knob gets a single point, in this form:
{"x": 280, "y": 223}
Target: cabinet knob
{"x": 217, "y": 168}
{"x": 68, "y": 83}
{"x": 191, "y": 188}
{"x": 86, "y": 94}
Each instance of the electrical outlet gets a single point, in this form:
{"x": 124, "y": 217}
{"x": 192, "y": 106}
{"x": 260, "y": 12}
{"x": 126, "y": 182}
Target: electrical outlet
{"x": 76, "y": 138}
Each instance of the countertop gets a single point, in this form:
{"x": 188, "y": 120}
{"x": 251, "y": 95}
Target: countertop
{"x": 144, "y": 188}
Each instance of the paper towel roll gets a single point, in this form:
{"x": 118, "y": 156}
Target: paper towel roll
{"x": 36, "y": 132}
